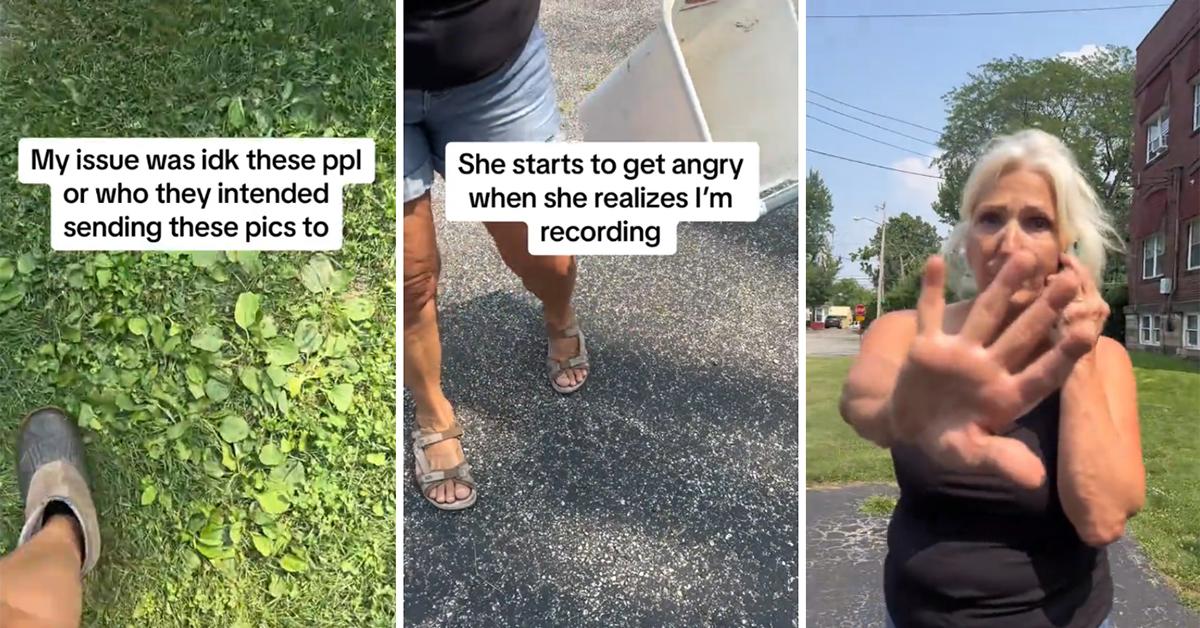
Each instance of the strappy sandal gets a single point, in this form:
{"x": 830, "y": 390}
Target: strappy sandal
{"x": 429, "y": 479}
{"x": 554, "y": 367}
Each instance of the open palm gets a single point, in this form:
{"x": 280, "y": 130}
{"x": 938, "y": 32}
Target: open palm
{"x": 956, "y": 390}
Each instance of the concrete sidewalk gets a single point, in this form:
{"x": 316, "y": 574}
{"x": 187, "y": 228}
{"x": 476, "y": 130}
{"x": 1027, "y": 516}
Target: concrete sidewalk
{"x": 844, "y": 570}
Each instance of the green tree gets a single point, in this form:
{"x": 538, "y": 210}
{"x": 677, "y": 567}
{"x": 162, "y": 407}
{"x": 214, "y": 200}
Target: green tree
{"x": 850, "y": 292}
{"x": 910, "y": 241}
{"x": 821, "y": 266}
{"x": 818, "y": 281}
{"x": 1086, "y": 102}
{"x": 818, "y": 226}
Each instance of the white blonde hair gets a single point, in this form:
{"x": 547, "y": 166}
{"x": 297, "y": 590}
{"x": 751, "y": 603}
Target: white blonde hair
{"x": 1080, "y": 216}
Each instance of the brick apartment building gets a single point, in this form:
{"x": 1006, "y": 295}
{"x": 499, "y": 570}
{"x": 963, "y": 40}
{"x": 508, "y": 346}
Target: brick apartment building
{"x": 1164, "y": 231}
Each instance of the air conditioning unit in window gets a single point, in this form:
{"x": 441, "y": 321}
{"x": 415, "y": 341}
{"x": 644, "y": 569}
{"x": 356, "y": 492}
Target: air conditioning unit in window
{"x": 1164, "y": 285}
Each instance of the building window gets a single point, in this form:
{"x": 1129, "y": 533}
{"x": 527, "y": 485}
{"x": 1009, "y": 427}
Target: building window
{"x": 1153, "y": 250}
{"x": 1191, "y": 331}
{"x": 1150, "y": 331}
{"x": 1157, "y": 130}
{"x": 1196, "y": 107}
{"x": 1193, "y": 256}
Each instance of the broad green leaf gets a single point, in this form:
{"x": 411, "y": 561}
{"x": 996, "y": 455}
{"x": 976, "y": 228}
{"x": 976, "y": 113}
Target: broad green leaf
{"x": 246, "y": 309}
{"x": 341, "y": 280}
{"x": 270, "y": 455}
{"x": 102, "y": 260}
{"x": 377, "y": 459}
{"x": 262, "y": 544}
{"x": 215, "y": 553}
{"x": 293, "y": 386}
{"x": 216, "y": 390}
{"x": 236, "y": 114}
{"x": 278, "y": 588}
{"x": 267, "y": 328}
{"x": 26, "y": 264}
{"x": 103, "y": 276}
{"x": 308, "y": 337}
{"x": 138, "y": 326}
{"x": 227, "y": 459}
{"x": 272, "y": 502}
{"x": 250, "y": 262}
{"x": 87, "y": 416}
{"x": 278, "y": 375}
{"x": 317, "y": 274}
{"x": 358, "y": 309}
{"x": 177, "y": 430}
{"x": 234, "y": 429}
{"x": 7, "y": 269}
{"x": 213, "y": 535}
{"x": 281, "y": 352}
{"x": 208, "y": 339}
{"x": 293, "y": 564}
{"x": 341, "y": 396}
{"x": 205, "y": 259}
{"x": 249, "y": 377}
{"x": 191, "y": 562}
{"x": 336, "y": 345}
{"x": 213, "y": 469}
{"x": 149, "y": 494}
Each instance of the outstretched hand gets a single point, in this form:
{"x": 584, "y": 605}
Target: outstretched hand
{"x": 956, "y": 390}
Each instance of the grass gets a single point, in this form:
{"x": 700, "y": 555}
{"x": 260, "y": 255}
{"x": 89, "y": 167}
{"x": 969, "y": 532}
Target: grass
{"x": 1168, "y": 528}
{"x": 878, "y": 506}
{"x": 835, "y": 454}
{"x": 236, "y": 486}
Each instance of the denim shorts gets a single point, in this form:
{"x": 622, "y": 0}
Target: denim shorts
{"x": 514, "y": 104}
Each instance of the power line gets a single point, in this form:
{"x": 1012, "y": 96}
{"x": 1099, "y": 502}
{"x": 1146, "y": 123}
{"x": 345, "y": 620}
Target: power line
{"x": 907, "y": 150}
{"x": 867, "y": 163}
{"x": 874, "y": 113}
{"x": 868, "y": 122}
{"x": 984, "y": 13}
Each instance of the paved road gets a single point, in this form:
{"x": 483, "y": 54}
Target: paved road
{"x": 844, "y": 576}
{"x": 830, "y": 342}
{"x": 666, "y": 491}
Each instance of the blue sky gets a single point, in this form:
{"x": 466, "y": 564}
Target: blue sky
{"x": 902, "y": 67}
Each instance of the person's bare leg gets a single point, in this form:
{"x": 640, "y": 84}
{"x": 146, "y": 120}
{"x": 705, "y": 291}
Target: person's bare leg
{"x": 422, "y": 345}
{"x": 41, "y": 580}
{"x": 551, "y": 278}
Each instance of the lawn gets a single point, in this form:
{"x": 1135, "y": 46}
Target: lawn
{"x": 243, "y": 465}
{"x": 1169, "y": 397}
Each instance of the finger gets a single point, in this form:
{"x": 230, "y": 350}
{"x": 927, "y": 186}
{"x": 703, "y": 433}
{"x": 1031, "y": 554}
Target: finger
{"x": 1087, "y": 285}
{"x": 1012, "y": 459}
{"x": 1046, "y": 374}
{"x": 931, "y": 306}
{"x": 1033, "y": 326}
{"x": 990, "y": 308}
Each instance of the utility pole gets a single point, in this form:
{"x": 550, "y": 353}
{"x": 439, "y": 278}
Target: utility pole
{"x": 882, "y": 245}
{"x": 882, "y": 208}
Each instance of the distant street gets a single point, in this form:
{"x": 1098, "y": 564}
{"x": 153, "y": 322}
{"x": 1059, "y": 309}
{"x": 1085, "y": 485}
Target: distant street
{"x": 830, "y": 342}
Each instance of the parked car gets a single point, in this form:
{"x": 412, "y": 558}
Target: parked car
{"x": 832, "y": 322}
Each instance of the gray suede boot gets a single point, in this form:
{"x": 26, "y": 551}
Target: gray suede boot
{"x": 51, "y": 471}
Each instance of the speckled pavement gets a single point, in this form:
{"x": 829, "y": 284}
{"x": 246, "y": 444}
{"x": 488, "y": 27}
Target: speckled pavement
{"x": 844, "y": 569}
{"x": 665, "y": 492}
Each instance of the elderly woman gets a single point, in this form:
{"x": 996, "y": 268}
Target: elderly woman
{"x": 1012, "y": 424}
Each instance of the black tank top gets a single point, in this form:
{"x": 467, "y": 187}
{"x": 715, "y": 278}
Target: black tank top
{"x": 969, "y": 550}
{"x": 449, "y": 43}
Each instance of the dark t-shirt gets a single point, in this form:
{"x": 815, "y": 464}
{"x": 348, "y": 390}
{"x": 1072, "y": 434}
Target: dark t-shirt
{"x": 450, "y": 43}
{"x": 974, "y": 550}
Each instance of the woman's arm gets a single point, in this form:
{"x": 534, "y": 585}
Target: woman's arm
{"x": 1101, "y": 477}
{"x": 868, "y": 388}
